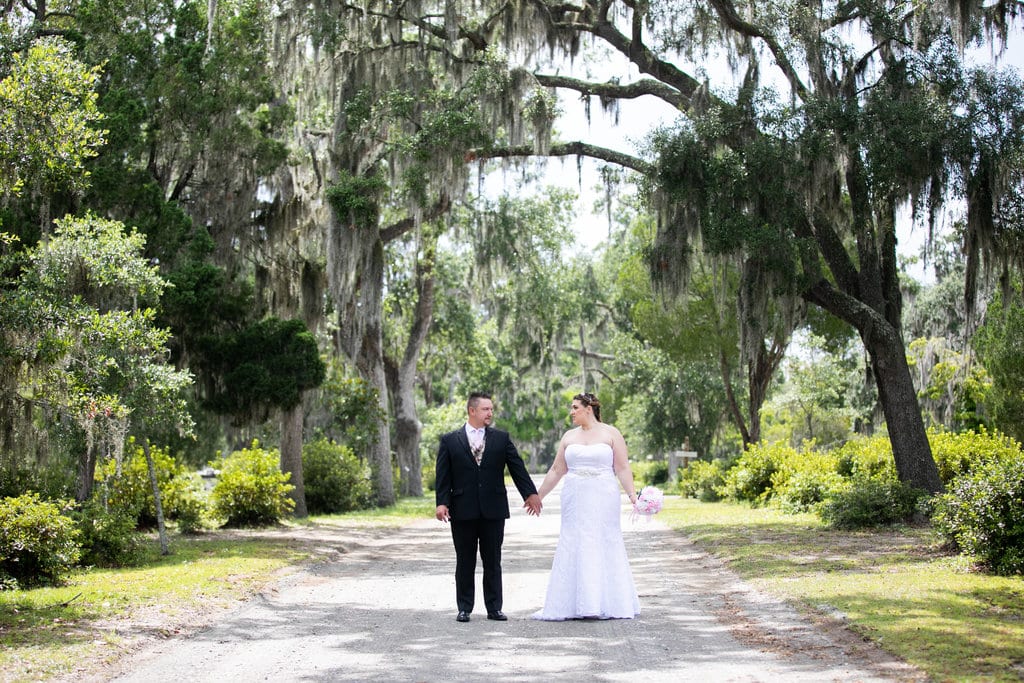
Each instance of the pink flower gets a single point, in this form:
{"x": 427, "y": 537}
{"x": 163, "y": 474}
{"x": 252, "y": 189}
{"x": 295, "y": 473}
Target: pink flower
{"x": 649, "y": 501}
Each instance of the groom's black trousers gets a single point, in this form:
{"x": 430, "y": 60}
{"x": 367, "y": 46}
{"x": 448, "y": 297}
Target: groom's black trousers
{"x": 487, "y": 536}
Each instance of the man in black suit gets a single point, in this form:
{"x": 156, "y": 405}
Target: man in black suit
{"x": 471, "y": 494}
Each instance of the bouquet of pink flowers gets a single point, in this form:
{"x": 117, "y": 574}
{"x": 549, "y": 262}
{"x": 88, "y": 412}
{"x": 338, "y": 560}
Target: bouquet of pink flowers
{"x": 649, "y": 501}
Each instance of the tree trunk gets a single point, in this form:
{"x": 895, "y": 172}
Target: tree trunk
{"x": 356, "y": 255}
{"x": 884, "y": 343}
{"x": 765, "y": 325}
{"x": 379, "y": 454}
{"x": 760, "y": 372}
{"x": 403, "y": 384}
{"x": 734, "y": 406}
{"x": 291, "y": 456}
{"x": 910, "y": 447}
{"x": 157, "y": 504}
{"x": 407, "y": 440}
{"x": 86, "y": 473}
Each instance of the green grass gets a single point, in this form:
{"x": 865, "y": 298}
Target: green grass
{"x": 895, "y": 586}
{"x": 48, "y": 632}
{"x": 403, "y": 512}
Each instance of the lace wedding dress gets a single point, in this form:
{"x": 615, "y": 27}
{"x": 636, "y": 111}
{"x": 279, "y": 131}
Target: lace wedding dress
{"x": 590, "y": 575}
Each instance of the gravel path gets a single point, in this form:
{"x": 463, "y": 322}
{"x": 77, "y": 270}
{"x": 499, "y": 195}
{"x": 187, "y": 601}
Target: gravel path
{"x": 383, "y": 609}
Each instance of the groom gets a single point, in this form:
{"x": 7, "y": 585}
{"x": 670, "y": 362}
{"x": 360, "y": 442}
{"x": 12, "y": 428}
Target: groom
{"x": 470, "y": 492}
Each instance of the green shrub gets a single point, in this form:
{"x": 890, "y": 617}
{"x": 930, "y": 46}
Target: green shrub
{"x": 335, "y": 479}
{"x": 182, "y": 496}
{"x": 190, "y": 504}
{"x": 108, "y": 537}
{"x": 804, "y": 491}
{"x": 983, "y": 514}
{"x": 252, "y": 490}
{"x": 750, "y": 479}
{"x": 866, "y": 458}
{"x": 958, "y": 453}
{"x": 38, "y": 543}
{"x": 702, "y": 480}
{"x": 805, "y": 478}
{"x": 649, "y": 472}
{"x": 870, "y": 501}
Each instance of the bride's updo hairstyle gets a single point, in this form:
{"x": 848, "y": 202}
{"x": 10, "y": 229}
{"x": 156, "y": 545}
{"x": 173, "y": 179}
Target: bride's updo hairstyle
{"x": 590, "y": 400}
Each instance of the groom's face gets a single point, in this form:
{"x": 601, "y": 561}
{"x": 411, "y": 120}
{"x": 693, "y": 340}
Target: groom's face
{"x": 482, "y": 414}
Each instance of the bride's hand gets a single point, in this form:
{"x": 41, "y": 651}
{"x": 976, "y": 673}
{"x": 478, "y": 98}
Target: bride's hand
{"x": 533, "y": 505}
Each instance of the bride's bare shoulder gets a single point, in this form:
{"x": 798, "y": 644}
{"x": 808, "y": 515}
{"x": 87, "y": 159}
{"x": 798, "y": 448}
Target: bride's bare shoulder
{"x": 611, "y": 429}
{"x": 572, "y": 436}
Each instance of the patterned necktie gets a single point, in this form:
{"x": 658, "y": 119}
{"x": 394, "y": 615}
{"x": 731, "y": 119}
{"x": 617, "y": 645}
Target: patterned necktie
{"x": 478, "y": 446}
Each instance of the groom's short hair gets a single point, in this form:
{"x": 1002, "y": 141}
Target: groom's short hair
{"x": 474, "y": 398}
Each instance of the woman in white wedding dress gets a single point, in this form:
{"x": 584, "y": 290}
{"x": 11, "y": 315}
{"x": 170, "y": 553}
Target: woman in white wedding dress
{"x": 590, "y": 575}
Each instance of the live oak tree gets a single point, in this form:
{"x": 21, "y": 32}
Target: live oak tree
{"x": 543, "y": 311}
{"x": 189, "y": 114}
{"x": 393, "y": 104}
{"x": 847, "y": 112}
{"x": 808, "y": 188}
{"x": 399, "y": 124}
{"x": 682, "y": 361}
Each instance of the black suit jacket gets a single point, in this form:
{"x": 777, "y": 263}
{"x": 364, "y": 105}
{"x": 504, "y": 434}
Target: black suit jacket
{"x": 474, "y": 491}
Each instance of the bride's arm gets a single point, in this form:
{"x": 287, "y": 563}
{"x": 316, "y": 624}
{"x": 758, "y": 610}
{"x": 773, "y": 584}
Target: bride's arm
{"x": 555, "y": 473}
{"x": 620, "y": 462}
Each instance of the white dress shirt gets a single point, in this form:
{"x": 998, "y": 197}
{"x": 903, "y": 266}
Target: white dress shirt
{"x": 475, "y": 436}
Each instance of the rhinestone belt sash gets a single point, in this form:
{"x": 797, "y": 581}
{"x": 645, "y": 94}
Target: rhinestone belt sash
{"x": 589, "y": 472}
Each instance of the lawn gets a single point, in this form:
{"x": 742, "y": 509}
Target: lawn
{"x": 97, "y": 616}
{"x": 896, "y": 586}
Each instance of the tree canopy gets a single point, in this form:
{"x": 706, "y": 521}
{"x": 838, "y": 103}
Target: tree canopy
{"x": 315, "y": 163}
{"x": 846, "y": 112}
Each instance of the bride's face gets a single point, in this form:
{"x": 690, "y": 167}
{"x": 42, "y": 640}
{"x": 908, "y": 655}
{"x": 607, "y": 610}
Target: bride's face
{"x": 578, "y": 412}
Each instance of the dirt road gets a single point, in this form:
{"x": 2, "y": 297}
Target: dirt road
{"x": 383, "y": 609}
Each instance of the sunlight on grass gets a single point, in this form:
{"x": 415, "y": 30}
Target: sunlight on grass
{"x": 47, "y": 632}
{"x": 404, "y": 511}
{"x": 895, "y": 586}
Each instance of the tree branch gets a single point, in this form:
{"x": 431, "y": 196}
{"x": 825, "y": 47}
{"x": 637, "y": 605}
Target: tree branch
{"x": 731, "y": 18}
{"x": 565, "y": 149}
{"x": 611, "y": 89}
{"x": 589, "y": 354}
{"x": 569, "y": 16}
{"x": 399, "y": 228}
{"x": 834, "y": 252}
{"x": 871, "y": 324}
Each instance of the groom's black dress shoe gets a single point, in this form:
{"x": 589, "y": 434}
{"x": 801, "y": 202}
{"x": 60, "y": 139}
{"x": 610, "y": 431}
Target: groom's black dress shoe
{"x": 497, "y": 616}
{"x": 463, "y": 616}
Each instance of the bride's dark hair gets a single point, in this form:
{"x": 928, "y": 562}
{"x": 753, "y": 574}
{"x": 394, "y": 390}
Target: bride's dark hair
{"x": 590, "y": 400}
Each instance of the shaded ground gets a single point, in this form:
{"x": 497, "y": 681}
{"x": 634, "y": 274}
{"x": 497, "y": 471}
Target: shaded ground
{"x": 380, "y": 607}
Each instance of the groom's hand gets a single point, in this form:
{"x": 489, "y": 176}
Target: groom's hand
{"x": 442, "y": 513}
{"x": 533, "y": 505}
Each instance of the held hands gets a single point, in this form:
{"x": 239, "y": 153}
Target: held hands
{"x": 533, "y": 505}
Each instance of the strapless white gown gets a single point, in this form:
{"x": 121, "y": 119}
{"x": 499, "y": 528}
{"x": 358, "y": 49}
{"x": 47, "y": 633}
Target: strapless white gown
{"x": 590, "y": 575}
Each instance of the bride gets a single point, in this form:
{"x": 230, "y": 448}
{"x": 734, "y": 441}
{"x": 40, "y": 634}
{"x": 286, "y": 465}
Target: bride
{"x": 590, "y": 575}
